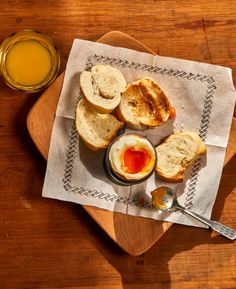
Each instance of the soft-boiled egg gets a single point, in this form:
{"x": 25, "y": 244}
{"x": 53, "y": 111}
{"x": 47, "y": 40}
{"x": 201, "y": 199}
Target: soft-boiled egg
{"x": 132, "y": 157}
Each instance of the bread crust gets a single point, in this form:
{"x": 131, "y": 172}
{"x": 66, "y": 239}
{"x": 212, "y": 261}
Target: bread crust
{"x": 177, "y": 179}
{"x": 119, "y": 115}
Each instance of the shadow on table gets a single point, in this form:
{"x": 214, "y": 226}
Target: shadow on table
{"x": 152, "y": 266}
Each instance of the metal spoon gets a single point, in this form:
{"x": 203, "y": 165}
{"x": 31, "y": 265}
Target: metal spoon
{"x": 165, "y": 199}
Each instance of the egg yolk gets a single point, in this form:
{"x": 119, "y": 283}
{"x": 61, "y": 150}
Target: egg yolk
{"x": 157, "y": 198}
{"x": 134, "y": 161}
{"x": 172, "y": 113}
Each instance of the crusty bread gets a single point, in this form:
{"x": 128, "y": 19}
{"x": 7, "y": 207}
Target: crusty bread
{"x": 97, "y": 130}
{"x": 177, "y": 153}
{"x": 102, "y": 87}
{"x": 144, "y": 105}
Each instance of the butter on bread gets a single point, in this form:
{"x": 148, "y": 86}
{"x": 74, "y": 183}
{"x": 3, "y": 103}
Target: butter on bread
{"x": 102, "y": 87}
{"x": 177, "y": 153}
{"x": 144, "y": 105}
{"x": 97, "y": 130}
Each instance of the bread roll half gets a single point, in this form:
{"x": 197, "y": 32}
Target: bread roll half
{"x": 177, "y": 153}
{"x": 102, "y": 87}
{"x": 144, "y": 105}
{"x": 96, "y": 130}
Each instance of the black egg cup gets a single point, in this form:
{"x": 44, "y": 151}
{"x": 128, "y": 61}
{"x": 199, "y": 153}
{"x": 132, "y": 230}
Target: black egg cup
{"x": 114, "y": 177}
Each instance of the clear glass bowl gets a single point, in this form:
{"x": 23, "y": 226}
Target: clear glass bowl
{"x": 44, "y": 40}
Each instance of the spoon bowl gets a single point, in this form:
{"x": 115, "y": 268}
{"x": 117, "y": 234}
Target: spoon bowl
{"x": 165, "y": 199}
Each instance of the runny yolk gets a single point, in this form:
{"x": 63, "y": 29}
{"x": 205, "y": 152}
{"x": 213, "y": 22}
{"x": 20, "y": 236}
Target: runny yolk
{"x": 134, "y": 161}
{"x": 157, "y": 197}
{"x": 172, "y": 113}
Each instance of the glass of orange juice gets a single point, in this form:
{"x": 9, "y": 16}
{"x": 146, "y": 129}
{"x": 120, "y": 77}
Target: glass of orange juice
{"x": 29, "y": 61}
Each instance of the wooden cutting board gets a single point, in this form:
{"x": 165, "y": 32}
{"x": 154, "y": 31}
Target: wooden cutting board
{"x": 134, "y": 234}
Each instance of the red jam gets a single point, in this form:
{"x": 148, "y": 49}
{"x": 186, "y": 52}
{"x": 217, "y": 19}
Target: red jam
{"x": 134, "y": 161}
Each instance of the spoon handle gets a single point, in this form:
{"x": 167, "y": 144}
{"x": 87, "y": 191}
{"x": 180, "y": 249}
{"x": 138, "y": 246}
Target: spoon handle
{"x": 224, "y": 230}
{"x": 218, "y": 227}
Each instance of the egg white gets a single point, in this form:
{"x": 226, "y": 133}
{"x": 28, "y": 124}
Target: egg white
{"x": 130, "y": 141}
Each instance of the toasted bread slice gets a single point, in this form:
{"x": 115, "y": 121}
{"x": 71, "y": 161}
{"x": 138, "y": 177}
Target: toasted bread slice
{"x": 177, "y": 153}
{"x": 144, "y": 105}
{"x": 102, "y": 87}
{"x": 96, "y": 130}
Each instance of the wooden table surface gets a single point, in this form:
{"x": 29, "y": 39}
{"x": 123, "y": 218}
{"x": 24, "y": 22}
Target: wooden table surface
{"x": 51, "y": 244}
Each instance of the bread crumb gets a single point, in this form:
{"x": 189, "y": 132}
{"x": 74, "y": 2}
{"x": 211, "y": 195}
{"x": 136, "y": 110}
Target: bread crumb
{"x": 182, "y": 107}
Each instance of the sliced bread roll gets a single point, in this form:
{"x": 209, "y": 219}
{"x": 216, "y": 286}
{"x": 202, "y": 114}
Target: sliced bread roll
{"x": 177, "y": 153}
{"x": 144, "y": 105}
{"x": 102, "y": 87}
{"x": 96, "y": 130}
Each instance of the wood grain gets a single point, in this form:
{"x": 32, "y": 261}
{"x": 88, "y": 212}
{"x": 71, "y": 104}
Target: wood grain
{"x": 52, "y": 244}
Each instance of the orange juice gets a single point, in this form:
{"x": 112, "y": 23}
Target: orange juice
{"x": 28, "y": 61}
